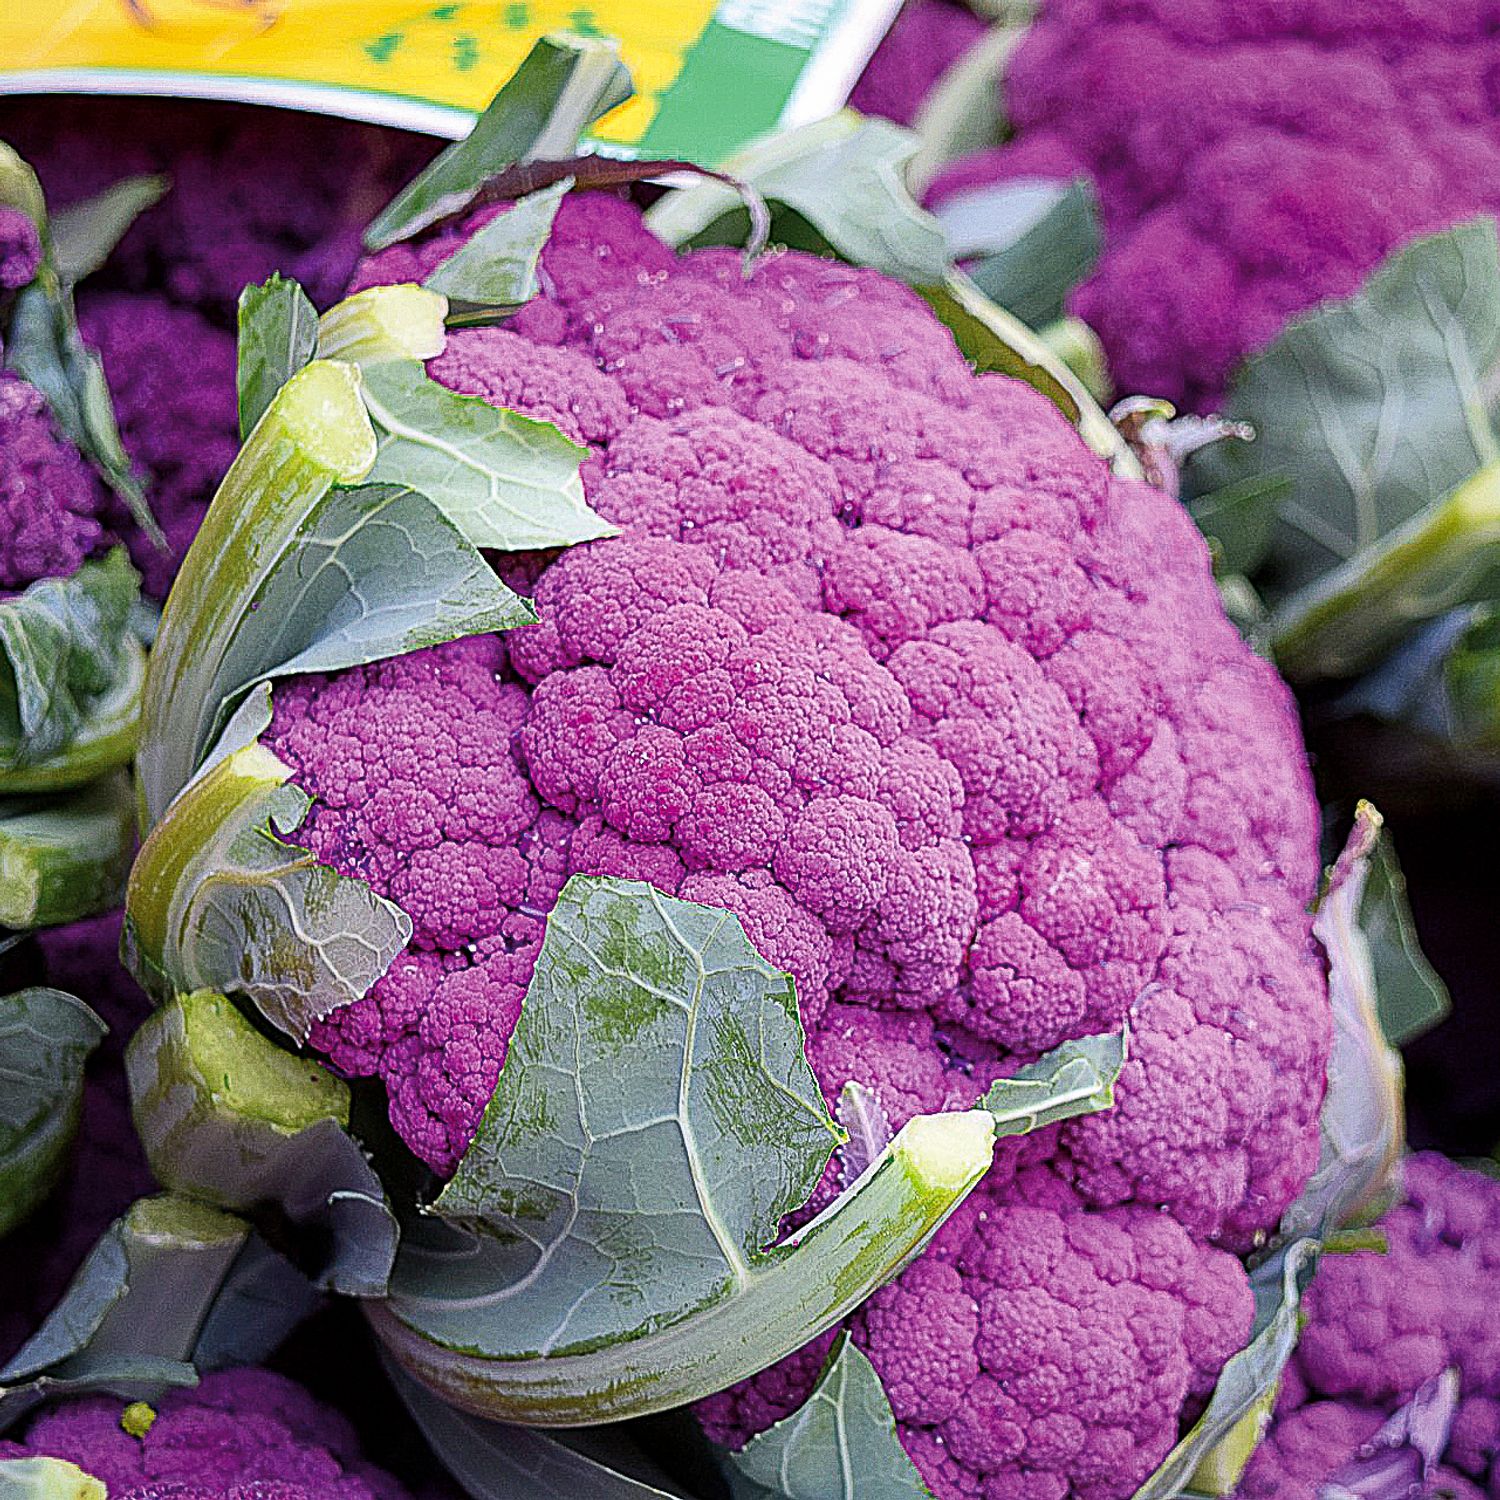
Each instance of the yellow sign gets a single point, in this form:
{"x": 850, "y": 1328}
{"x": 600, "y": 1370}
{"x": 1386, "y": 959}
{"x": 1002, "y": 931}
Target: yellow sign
{"x": 709, "y": 74}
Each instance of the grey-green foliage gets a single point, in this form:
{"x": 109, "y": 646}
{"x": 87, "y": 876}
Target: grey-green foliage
{"x": 1371, "y": 407}
{"x": 84, "y": 234}
{"x": 840, "y": 1444}
{"x": 506, "y": 481}
{"x": 1410, "y": 996}
{"x": 46, "y": 1037}
{"x": 65, "y": 649}
{"x": 652, "y": 1033}
{"x": 563, "y": 85}
{"x": 495, "y": 269}
{"x": 1076, "y": 1078}
{"x": 278, "y": 334}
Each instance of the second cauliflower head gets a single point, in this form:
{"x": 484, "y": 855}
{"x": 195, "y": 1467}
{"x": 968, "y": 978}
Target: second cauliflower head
{"x": 886, "y": 662}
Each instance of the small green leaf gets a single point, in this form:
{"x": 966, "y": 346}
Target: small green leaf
{"x": 219, "y": 900}
{"x": 497, "y": 1461}
{"x": 842, "y": 176}
{"x": 1409, "y": 995}
{"x": 1077, "y": 1078}
{"x": 563, "y": 85}
{"x": 495, "y": 269}
{"x": 85, "y": 234}
{"x": 1239, "y": 519}
{"x": 1373, "y": 406}
{"x": 47, "y": 1479}
{"x": 1031, "y": 240}
{"x": 1213, "y": 1454}
{"x": 506, "y": 481}
{"x": 65, "y": 856}
{"x": 963, "y": 111}
{"x": 840, "y": 1444}
{"x": 70, "y": 677}
{"x": 230, "y": 1118}
{"x": 278, "y": 334}
{"x": 46, "y": 1036}
{"x": 602, "y": 1250}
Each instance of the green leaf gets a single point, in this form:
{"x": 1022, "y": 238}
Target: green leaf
{"x": 840, "y": 1444}
{"x": 1361, "y": 1122}
{"x": 47, "y": 1479}
{"x": 1410, "y": 997}
{"x": 600, "y": 1252}
{"x": 1031, "y": 240}
{"x": 963, "y": 111}
{"x": 506, "y": 481}
{"x": 1077, "y": 1078}
{"x": 842, "y": 176}
{"x": 563, "y": 85}
{"x": 1373, "y": 406}
{"x": 66, "y": 856}
{"x": 129, "y": 1321}
{"x": 232, "y": 1119}
{"x": 1441, "y": 558}
{"x": 1212, "y": 1455}
{"x": 496, "y": 1461}
{"x": 495, "y": 269}
{"x": 70, "y": 677}
{"x": 1239, "y": 519}
{"x": 85, "y": 234}
{"x": 46, "y": 1036}
{"x": 278, "y": 334}
{"x": 1471, "y": 681}
{"x": 220, "y": 900}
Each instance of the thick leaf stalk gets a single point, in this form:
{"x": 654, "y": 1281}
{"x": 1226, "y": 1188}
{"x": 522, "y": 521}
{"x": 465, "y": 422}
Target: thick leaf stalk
{"x": 805, "y": 1286}
{"x": 314, "y": 435}
{"x": 383, "y": 323}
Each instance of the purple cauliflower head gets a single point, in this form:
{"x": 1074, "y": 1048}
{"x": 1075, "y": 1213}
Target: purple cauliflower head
{"x": 1380, "y": 1325}
{"x": 51, "y": 505}
{"x": 926, "y": 39}
{"x": 243, "y": 1434}
{"x": 1251, "y": 159}
{"x": 20, "y": 249}
{"x": 107, "y": 1171}
{"x": 888, "y": 664}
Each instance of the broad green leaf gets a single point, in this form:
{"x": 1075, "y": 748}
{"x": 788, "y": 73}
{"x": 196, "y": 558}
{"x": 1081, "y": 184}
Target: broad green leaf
{"x": 47, "y": 1479}
{"x": 220, "y": 900}
{"x": 1373, "y": 406}
{"x": 1031, "y": 242}
{"x": 1361, "y": 1123}
{"x": 495, "y": 269}
{"x": 1441, "y": 558}
{"x": 840, "y": 1444}
{"x": 65, "y": 856}
{"x": 563, "y": 85}
{"x": 1409, "y": 996}
{"x": 128, "y": 1323}
{"x": 232, "y": 1119}
{"x": 1215, "y": 1450}
{"x": 278, "y": 334}
{"x": 497, "y": 1461}
{"x": 261, "y": 1301}
{"x": 601, "y": 1251}
{"x": 843, "y": 177}
{"x": 963, "y": 111}
{"x": 46, "y": 1036}
{"x": 1077, "y": 1078}
{"x": 994, "y": 340}
{"x": 70, "y": 677}
{"x": 85, "y": 234}
{"x": 506, "y": 481}
{"x": 1239, "y": 518}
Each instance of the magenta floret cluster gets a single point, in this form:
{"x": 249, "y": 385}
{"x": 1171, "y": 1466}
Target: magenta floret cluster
{"x": 1380, "y": 1325}
{"x": 50, "y": 501}
{"x": 888, "y": 664}
{"x": 1252, "y": 159}
{"x": 238, "y": 1435}
{"x": 925, "y": 40}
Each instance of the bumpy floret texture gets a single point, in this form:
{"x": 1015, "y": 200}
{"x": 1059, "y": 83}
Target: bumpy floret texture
{"x": 172, "y": 375}
{"x": 926, "y": 39}
{"x": 50, "y": 502}
{"x": 1252, "y": 159}
{"x": 239, "y": 1435}
{"x": 885, "y": 662}
{"x": 1379, "y": 1325}
{"x": 20, "y": 249}
{"x": 253, "y": 190}
{"x": 107, "y": 1170}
